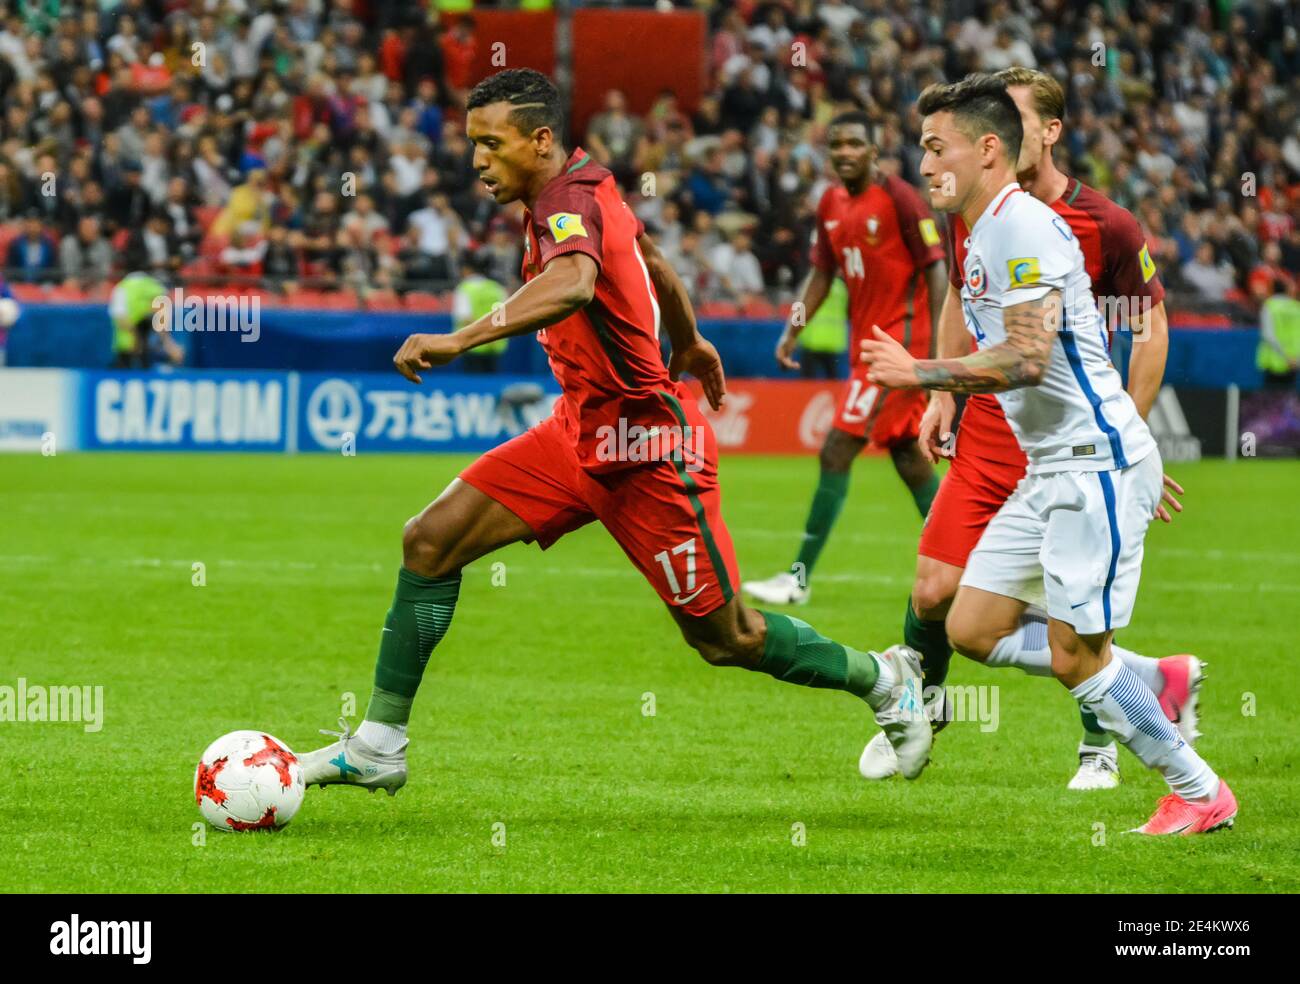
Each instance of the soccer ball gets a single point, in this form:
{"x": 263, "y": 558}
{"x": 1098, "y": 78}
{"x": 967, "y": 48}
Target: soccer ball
{"x": 248, "y": 780}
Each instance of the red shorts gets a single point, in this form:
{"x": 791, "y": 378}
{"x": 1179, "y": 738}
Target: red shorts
{"x": 884, "y": 417}
{"x": 666, "y": 515}
{"x": 969, "y": 496}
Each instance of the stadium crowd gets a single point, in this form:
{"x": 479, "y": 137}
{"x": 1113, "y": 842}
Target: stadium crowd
{"x": 317, "y": 146}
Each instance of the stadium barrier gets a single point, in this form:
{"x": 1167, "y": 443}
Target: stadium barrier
{"x": 55, "y": 410}
{"x": 79, "y": 336}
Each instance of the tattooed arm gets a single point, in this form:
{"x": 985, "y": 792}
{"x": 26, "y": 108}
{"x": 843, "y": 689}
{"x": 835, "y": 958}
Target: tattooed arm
{"x": 1019, "y": 361}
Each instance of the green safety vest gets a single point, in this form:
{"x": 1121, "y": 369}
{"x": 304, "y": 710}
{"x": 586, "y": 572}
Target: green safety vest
{"x": 129, "y": 304}
{"x": 481, "y": 293}
{"x": 828, "y": 329}
{"x": 1285, "y": 312}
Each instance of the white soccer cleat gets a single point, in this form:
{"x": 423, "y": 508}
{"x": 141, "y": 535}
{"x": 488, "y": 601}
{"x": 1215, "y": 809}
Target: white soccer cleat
{"x": 902, "y": 716}
{"x": 1098, "y": 768}
{"x": 780, "y": 589}
{"x": 351, "y": 762}
{"x": 879, "y": 760}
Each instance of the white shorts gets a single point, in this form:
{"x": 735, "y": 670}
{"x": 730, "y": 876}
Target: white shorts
{"x": 1072, "y": 539}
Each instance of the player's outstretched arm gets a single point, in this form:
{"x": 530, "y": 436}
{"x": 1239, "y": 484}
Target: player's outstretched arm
{"x": 567, "y": 284}
{"x": 1146, "y": 367}
{"x": 815, "y": 288}
{"x": 1019, "y": 361}
{"x": 691, "y": 351}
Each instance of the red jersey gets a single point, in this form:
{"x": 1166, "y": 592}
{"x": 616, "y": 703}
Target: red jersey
{"x": 880, "y": 241}
{"x": 1119, "y": 264}
{"x": 606, "y": 355}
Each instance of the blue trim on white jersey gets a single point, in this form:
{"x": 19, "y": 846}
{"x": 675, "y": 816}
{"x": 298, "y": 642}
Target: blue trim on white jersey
{"x": 1108, "y": 493}
{"x": 1080, "y": 374}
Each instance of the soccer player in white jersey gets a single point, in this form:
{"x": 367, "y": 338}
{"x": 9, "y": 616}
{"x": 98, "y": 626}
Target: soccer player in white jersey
{"x": 1078, "y": 519}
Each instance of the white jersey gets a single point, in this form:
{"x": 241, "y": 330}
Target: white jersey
{"x": 1079, "y": 418}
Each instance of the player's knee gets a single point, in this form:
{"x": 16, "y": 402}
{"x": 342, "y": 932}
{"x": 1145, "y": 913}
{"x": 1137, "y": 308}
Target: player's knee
{"x": 424, "y": 548}
{"x": 932, "y": 596}
{"x": 1065, "y": 663}
{"x": 731, "y": 647}
{"x": 835, "y": 457}
{"x": 968, "y": 637}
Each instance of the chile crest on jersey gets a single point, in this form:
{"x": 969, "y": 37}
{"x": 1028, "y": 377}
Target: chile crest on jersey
{"x": 976, "y": 279}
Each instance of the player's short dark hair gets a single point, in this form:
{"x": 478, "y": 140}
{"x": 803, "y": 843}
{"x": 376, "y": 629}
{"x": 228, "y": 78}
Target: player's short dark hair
{"x": 979, "y": 104}
{"x": 851, "y": 116}
{"x": 534, "y": 95}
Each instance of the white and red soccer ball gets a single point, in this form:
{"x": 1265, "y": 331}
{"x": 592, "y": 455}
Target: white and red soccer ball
{"x": 248, "y": 780}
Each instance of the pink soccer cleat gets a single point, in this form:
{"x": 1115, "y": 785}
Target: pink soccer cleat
{"x": 1178, "y": 697}
{"x": 1175, "y": 815}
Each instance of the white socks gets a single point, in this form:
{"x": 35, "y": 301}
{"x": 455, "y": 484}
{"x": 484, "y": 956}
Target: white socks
{"x": 1026, "y": 648}
{"x": 383, "y": 738}
{"x": 886, "y": 681}
{"x": 1128, "y": 709}
{"x": 1144, "y": 668}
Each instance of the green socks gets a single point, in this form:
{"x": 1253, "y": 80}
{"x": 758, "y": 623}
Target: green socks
{"x": 417, "y": 621}
{"x": 796, "y": 653}
{"x": 931, "y": 641}
{"x": 828, "y": 500}
{"x": 924, "y": 495}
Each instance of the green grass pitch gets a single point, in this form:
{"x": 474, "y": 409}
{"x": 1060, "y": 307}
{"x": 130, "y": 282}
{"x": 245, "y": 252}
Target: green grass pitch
{"x": 531, "y": 714}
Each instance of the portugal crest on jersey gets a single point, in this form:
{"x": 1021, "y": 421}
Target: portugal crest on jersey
{"x": 873, "y": 229}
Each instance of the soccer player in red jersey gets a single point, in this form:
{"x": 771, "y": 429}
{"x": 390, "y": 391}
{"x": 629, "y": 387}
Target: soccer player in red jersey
{"x": 626, "y": 446}
{"x": 988, "y": 463}
{"x": 880, "y": 236}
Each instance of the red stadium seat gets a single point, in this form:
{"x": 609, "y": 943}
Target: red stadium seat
{"x": 67, "y": 294}
{"x": 384, "y": 300}
{"x": 28, "y": 293}
{"x": 418, "y": 300}
{"x": 719, "y": 309}
{"x": 758, "y": 309}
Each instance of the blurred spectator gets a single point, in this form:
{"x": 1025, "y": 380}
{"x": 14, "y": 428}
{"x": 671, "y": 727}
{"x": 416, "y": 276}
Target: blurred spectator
{"x": 85, "y": 256}
{"x": 613, "y": 135}
{"x": 30, "y": 258}
{"x": 1269, "y": 278}
{"x": 440, "y": 235}
{"x": 737, "y": 268}
{"x": 280, "y": 263}
{"x": 1209, "y": 278}
{"x": 152, "y": 248}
